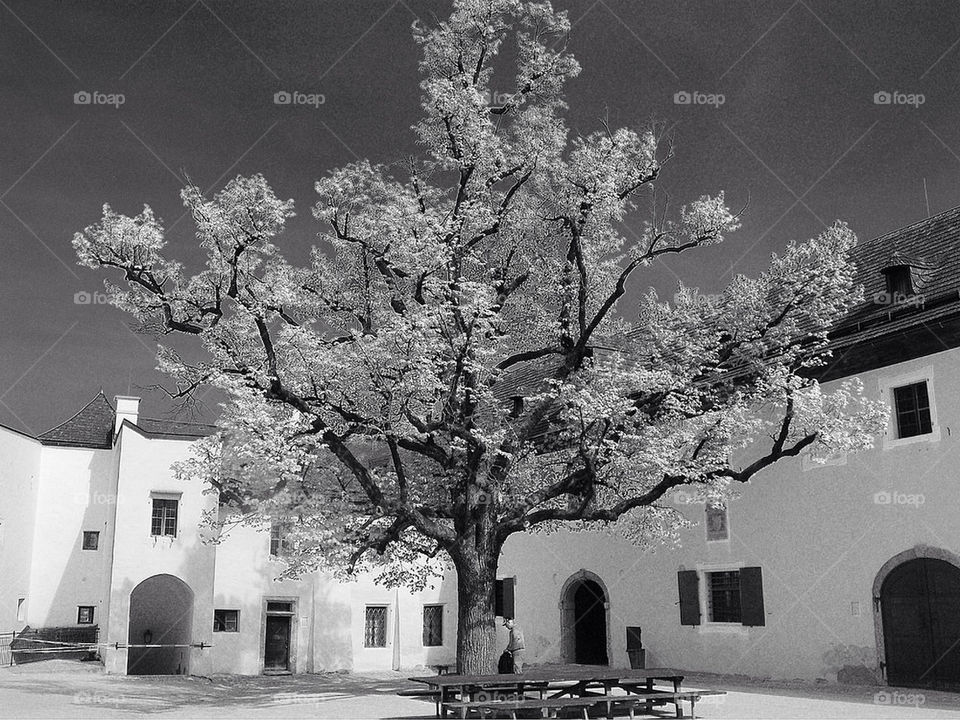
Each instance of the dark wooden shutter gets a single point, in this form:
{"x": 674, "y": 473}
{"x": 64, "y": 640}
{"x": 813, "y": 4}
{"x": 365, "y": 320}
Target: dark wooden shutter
{"x": 689, "y": 585}
{"x": 507, "y": 604}
{"x": 751, "y": 596}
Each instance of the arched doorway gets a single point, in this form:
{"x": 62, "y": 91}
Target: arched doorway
{"x": 584, "y": 624}
{"x": 919, "y": 599}
{"x": 161, "y": 613}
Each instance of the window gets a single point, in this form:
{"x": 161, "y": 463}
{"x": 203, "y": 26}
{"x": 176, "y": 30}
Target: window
{"x": 84, "y": 614}
{"x": 732, "y": 596}
{"x": 21, "y": 609}
{"x": 164, "y": 522}
{"x": 717, "y": 523}
{"x": 899, "y": 283}
{"x": 91, "y": 539}
{"x": 279, "y": 607}
{"x": 226, "y": 620}
{"x": 278, "y": 539}
{"x": 432, "y": 625}
{"x": 723, "y": 596}
{"x": 912, "y": 405}
{"x": 375, "y": 626}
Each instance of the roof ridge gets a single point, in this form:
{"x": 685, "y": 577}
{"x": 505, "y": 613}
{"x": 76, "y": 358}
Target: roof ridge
{"x": 78, "y": 413}
{"x": 938, "y": 216}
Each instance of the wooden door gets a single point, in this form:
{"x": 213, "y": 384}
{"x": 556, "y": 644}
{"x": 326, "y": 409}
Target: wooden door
{"x": 920, "y": 602}
{"x": 276, "y": 648}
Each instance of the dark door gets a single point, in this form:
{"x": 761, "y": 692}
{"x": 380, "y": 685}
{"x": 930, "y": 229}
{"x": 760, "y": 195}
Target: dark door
{"x": 276, "y": 648}
{"x": 920, "y": 602}
{"x": 590, "y": 624}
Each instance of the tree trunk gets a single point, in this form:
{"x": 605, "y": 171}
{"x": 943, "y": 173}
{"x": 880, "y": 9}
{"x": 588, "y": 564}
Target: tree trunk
{"x": 477, "y": 650}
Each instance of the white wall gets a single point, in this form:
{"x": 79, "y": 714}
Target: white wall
{"x": 19, "y": 481}
{"x": 818, "y": 535}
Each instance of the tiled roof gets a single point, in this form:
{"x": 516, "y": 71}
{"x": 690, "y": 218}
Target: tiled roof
{"x": 92, "y": 427}
{"x": 175, "y": 428}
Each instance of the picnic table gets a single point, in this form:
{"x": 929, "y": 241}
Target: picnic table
{"x": 581, "y": 687}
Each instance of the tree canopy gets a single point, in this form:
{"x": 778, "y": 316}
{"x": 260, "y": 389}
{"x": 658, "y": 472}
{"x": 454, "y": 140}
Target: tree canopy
{"x": 455, "y": 363}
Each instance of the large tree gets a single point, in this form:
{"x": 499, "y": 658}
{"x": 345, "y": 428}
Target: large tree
{"x": 454, "y": 364}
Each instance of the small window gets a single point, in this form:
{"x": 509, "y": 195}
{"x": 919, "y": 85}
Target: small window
{"x": 723, "y": 596}
{"x": 913, "y": 410}
{"x": 226, "y": 620}
{"x": 278, "y": 539}
{"x": 717, "y": 523}
{"x": 279, "y": 607}
{"x": 432, "y": 625}
{"x": 91, "y": 539}
{"x": 21, "y": 609}
{"x": 85, "y": 615}
{"x": 375, "y": 626}
{"x": 164, "y": 521}
{"x": 899, "y": 281}
{"x": 503, "y": 600}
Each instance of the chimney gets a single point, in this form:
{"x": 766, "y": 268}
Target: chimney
{"x": 128, "y": 408}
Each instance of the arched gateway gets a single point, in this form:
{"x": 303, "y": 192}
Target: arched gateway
{"x": 161, "y": 614}
{"x": 918, "y": 634}
{"x": 584, "y": 610}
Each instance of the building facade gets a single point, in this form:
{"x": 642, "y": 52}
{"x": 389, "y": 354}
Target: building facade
{"x": 846, "y": 569}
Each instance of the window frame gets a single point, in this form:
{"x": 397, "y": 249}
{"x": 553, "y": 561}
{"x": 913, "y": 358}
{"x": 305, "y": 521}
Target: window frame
{"x": 438, "y": 608}
{"x": 369, "y": 638}
{"x": 96, "y": 537}
{"x": 225, "y": 625}
{"x": 888, "y": 386}
{"x": 164, "y": 519}
{"x": 707, "y": 507}
{"x": 918, "y": 412}
{"x": 706, "y": 624}
{"x": 80, "y": 614}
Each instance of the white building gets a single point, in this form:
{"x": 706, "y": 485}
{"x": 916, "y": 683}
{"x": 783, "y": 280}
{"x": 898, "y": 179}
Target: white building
{"x": 848, "y": 570}
{"x": 97, "y": 530}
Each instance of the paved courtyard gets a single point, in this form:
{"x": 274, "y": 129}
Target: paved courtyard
{"x": 60, "y": 689}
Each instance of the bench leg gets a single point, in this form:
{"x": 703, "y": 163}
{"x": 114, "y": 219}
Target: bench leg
{"x": 693, "y": 703}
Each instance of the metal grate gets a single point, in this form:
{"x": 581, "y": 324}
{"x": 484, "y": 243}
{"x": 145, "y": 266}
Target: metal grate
{"x": 375, "y": 626}
{"x": 432, "y": 625}
{"x": 723, "y": 599}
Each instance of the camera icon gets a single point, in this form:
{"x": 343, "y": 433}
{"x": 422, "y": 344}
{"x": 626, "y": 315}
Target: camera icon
{"x": 882, "y": 97}
{"x": 881, "y": 698}
{"x": 282, "y": 98}
{"x": 82, "y": 98}
{"x": 682, "y": 98}
{"x": 82, "y": 298}
{"x": 882, "y": 498}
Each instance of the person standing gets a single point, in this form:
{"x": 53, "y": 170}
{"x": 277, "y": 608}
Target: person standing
{"x": 515, "y": 646}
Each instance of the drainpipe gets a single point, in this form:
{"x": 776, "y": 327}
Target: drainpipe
{"x": 396, "y": 629}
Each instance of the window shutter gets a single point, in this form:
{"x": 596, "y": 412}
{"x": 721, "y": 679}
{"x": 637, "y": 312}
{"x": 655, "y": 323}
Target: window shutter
{"x": 689, "y": 584}
{"x": 751, "y": 596}
{"x": 508, "y": 597}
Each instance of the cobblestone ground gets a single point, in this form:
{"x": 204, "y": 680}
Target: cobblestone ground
{"x": 60, "y": 689}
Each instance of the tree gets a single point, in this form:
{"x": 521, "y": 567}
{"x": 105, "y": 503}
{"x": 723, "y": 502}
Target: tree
{"x": 453, "y": 365}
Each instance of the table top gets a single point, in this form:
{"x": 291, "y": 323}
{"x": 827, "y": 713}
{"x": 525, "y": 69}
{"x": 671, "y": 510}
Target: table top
{"x": 547, "y": 674}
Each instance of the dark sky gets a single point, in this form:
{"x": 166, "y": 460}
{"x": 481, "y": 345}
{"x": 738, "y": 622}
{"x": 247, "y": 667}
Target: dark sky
{"x": 798, "y": 135}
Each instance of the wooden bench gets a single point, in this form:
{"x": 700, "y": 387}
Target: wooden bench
{"x": 512, "y": 706}
{"x": 429, "y": 694}
{"x": 658, "y": 697}
{"x": 628, "y": 702}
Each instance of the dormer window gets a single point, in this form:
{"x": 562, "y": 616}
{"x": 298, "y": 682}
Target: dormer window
{"x": 899, "y": 281}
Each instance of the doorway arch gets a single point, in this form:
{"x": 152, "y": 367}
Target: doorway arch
{"x": 585, "y": 620}
{"x": 917, "y": 618}
{"x": 161, "y": 613}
